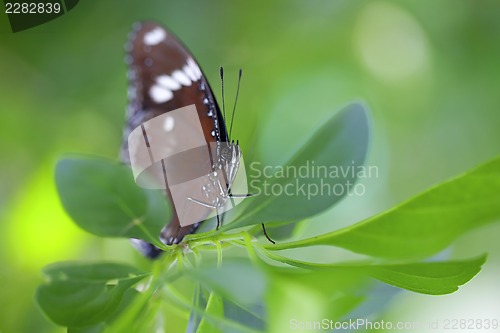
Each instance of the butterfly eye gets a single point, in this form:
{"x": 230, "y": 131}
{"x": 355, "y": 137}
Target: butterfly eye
{"x": 226, "y": 153}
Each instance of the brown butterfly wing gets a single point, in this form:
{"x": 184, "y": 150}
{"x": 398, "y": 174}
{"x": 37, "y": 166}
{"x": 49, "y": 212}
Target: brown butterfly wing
{"x": 163, "y": 76}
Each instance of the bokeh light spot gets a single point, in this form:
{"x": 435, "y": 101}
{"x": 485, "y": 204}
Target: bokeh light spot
{"x": 390, "y": 43}
{"x": 38, "y": 231}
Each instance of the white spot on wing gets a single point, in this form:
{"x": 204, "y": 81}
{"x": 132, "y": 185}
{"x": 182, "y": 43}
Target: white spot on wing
{"x": 160, "y": 94}
{"x": 169, "y": 124}
{"x": 181, "y": 77}
{"x": 154, "y": 36}
{"x": 194, "y": 67}
{"x": 168, "y": 82}
{"x": 190, "y": 72}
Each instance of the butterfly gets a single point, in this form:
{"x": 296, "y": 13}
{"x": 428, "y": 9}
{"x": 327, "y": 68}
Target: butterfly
{"x": 164, "y": 78}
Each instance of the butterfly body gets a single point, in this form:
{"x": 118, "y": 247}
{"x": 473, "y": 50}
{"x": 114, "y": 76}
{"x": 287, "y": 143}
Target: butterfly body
{"x": 217, "y": 184}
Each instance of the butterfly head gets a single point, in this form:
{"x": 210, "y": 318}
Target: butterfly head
{"x": 228, "y": 160}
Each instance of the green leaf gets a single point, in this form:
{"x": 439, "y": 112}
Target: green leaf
{"x": 99, "y": 328}
{"x": 237, "y": 279}
{"x": 433, "y": 278}
{"x": 340, "y": 144}
{"x": 82, "y": 294}
{"x": 138, "y": 311}
{"x": 210, "y": 312}
{"x": 252, "y": 317}
{"x": 102, "y": 198}
{"x": 309, "y": 295}
{"x": 215, "y": 309}
{"x": 425, "y": 224}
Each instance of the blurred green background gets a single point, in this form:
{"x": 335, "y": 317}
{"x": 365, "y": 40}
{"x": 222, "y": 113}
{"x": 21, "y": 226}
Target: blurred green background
{"x": 429, "y": 70}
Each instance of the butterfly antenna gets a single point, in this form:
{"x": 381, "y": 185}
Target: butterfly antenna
{"x": 265, "y": 234}
{"x": 235, "y": 101}
{"x": 223, "y": 101}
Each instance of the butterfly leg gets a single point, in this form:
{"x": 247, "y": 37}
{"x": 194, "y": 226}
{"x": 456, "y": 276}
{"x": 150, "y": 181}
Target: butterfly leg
{"x": 265, "y": 234}
{"x": 174, "y": 239}
{"x": 226, "y": 195}
{"x": 201, "y": 203}
{"x": 241, "y": 195}
{"x": 208, "y": 206}
{"x": 218, "y": 220}
{"x": 230, "y": 196}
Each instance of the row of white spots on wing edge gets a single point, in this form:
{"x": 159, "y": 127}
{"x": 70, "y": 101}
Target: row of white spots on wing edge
{"x": 163, "y": 89}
